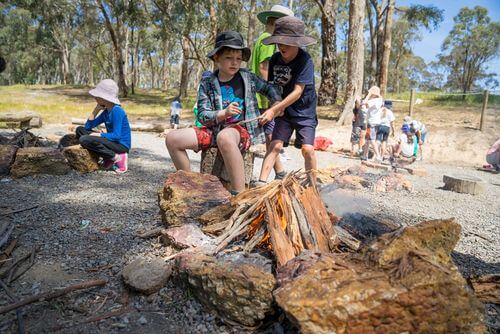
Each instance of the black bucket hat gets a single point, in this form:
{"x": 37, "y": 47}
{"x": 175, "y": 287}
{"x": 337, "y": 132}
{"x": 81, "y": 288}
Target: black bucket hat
{"x": 289, "y": 30}
{"x": 230, "y": 39}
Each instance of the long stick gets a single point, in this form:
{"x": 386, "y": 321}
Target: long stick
{"x": 19, "y": 315}
{"x": 52, "y": 294}
{"x": 19, "y": 210}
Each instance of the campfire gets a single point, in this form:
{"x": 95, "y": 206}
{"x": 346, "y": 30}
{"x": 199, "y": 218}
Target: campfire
{"x": 284, "y": 217}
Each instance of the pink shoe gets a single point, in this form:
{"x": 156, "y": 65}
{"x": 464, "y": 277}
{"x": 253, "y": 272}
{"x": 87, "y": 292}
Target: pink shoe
{"x": 107, "y": 164}
{"x": 121, "y": 166}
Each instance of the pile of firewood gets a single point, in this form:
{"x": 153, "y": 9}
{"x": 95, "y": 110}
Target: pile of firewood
{"x": 284, "y": 217}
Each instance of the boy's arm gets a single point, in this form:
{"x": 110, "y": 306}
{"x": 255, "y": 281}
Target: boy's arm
{"x": 117, "y": 117}
{"x": 264, "y": 69}
{"x": 278, "y": 108}
{"x": 94, "y": 121}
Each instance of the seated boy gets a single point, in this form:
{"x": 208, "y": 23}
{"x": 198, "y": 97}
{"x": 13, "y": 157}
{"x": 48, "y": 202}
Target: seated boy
{"x": 113, "y": 145}
{"x": 407, "y": 145}
{"x": 227, "y": 107}
{"x": 292, "y": 70}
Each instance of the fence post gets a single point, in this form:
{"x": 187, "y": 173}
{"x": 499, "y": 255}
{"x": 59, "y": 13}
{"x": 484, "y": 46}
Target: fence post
{"x": 412, "y": 101}
{"x": 483, "y": 110}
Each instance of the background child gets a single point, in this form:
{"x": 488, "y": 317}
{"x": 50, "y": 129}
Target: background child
{"x": 292, "y": 70}
{"x": 114, "y": 145}
{"x": 373, "y": 103}
{"x": 407, "y": 145}
{"x": 385, "y": 129}
{"x": 225, "y": 99}
{"x": 358, "y": 128}
{"x": 259, "y": 65}
{"x": 175, "y": 112}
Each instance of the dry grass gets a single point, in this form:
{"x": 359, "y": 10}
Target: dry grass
{"x": 58, "y": 104}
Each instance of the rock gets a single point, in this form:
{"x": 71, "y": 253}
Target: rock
{"x": 146, "y": 276}
{"x": 187, "y": 195}
{"x": 238, "y": 290}
{"x": 81, "y": 159}
{"x": 396, "y": 285}
{"x": 391, "y": 182}
{"x": 351, "y": 182}
{"x": 487, "y": 288}
{"x": 185, "y": 236}
{"x": 7, "y": 157}
{"x": 39, "y": 160}
{"x": 36, "y": 121}
{"x": 437, "y": 237}
{"x": 68, "y": 140}
{"x": 212, "y": 163}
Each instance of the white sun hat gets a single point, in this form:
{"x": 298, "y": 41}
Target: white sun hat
{"x": 276, "y": 11}
{"x": 107, "y": 89}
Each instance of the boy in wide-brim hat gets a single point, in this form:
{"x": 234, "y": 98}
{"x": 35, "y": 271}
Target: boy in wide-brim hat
{"x": 259, "y": 65}
{"x": 292, "y": 70}
{"x": 227, "y": 108}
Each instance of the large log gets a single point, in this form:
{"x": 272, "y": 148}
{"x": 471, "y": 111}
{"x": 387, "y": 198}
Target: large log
{"x": 463, "y": 184}
{"x": 212, "y": 163}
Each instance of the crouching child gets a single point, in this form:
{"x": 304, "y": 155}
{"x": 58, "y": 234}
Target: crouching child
{"x": 227, "y": 109}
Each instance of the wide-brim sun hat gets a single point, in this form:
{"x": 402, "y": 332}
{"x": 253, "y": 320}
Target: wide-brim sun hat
{"x": 374, "y": 90}
{"x": 107, "y": 89}
{"x": 232, "y": 40}
{"x": 276, "y": 11}
{"x": 289, "y": 30}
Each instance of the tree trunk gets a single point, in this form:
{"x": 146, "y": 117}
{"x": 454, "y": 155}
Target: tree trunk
{"x": 91, "y": 72}
{"x": 373, "y": 46}
{"x": 379, "y": 30}
{"x": 251, "y": 24}
{"x": 355, "y": 58}
{"x": 117, "y": 50}
{"x": 327, "y": 94}
{"x": 65, "y": 65}
{"x": 166, "y": 65}
{"x": 386, "y": 53}
{"x": 184, "y": 68}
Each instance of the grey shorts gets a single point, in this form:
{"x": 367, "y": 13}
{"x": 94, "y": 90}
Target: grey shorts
{"x": 356, "y": 134}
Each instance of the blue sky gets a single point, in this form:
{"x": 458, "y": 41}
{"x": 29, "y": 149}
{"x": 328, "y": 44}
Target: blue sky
{"x": 431, "y": 42}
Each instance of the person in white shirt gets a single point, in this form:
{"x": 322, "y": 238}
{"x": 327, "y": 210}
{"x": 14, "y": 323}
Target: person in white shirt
{"x": 419, "y": 129}
{"x": 373, "y": 103}
{"x": 385, "y": 129}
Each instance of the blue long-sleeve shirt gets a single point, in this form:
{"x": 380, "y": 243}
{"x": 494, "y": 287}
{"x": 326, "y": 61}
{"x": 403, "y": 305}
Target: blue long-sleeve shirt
{"x": 117, "y": 125}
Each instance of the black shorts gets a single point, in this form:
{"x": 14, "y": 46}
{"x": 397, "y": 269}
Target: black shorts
{"x": 174, "y": 119}
{"x": 383, "y": 133}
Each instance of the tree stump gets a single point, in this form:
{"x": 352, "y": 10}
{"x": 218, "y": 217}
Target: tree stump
{"x": 463, "y": 184}
{"x": 212, "y": 163}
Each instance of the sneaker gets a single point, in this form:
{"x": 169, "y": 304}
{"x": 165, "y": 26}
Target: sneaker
{"x": 257, "y": 183}
{"x": 107, "y": 164}
{"x": 121, "y": 166}
{"x": 284, "y": 156}
{"x": 280, "y": 176}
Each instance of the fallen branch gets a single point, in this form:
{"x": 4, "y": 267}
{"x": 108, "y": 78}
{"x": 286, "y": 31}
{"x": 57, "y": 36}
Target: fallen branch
{"x": 19, "y": 315}
{"x": 52, "y": 294}
{"x": 151, "y": 233}
{"x": 19, "y": 210}
{"x": 6, "y": 235}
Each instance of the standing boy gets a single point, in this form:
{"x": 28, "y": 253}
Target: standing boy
{"x": 175, "y": 112}
{"x": 227, "y": 107}
{"x": 259, "y": 65}
{"x": 292, "y": 70}
{"x": 113, "y": 145}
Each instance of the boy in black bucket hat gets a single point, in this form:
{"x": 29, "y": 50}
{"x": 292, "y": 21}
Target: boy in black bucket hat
{"x": 227, "y": 109}
{"x": 292, "y": 69}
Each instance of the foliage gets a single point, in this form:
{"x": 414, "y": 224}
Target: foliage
{"x": 473, "y": 41}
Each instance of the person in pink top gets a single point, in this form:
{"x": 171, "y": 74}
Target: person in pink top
{"x": 493, "y": 156}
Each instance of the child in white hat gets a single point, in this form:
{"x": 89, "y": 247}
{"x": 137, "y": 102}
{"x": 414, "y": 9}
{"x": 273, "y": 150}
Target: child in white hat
{"x": 114, "y": 144}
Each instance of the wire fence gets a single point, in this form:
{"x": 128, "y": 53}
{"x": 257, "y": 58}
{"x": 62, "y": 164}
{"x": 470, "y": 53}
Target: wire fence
{"x": 474, "y": 99}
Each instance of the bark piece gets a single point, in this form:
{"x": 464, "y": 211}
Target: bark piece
{"x": 487, "y": 288}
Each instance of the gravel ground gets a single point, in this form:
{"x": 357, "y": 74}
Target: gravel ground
{"x": 85, "y": 226}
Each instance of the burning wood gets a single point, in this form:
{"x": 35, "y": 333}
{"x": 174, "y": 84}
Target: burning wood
{"x": 284, "y": 217}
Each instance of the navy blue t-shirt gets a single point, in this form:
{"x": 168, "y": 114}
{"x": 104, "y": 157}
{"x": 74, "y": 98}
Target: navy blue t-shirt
{"x": 298, "y": 71}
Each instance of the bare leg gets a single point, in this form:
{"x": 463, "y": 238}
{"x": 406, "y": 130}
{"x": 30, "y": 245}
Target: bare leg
{"x": 310, "y": 163}
{"x": 278, "y": 166}
{"x": 227, "y": 143}
{"x": 270, "y": 158}
{"x": 177, "y": 142}
{"x": 375, "y": 145}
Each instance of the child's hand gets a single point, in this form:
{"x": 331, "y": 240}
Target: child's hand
{"x": 232, "y": 109}
{"x": 97, "y": 109}
{"x": 266, "y": 117}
